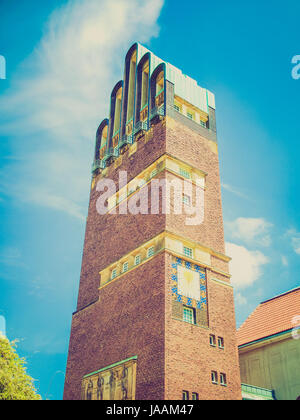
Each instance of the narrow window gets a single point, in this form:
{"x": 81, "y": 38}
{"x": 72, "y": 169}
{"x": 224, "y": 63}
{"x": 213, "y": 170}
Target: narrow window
{"x": 176, "y": 107}
{"x": 150, "y": 252}
{"x": 145, "y": 84}
{"x": 212, "y": 340}
{"x": 188, "y": 252}
{"x": 114, "y": 273}
{"x": 189, "y": 315}
{"x": 195, "y": 396}
{"x": 130, "y": 105}
{"x": 190, "y": 115}
{"x": 186, "y": 199}
{"x": 125, "y": 267}
{"x": 221, "y": 342}
{"x": 223, "y": 379}
{"x": 214, "y": 377}
{"x": 117, "y": 112}
{"x": 203, "y": 124}
{"x": 159, "y": 83}
{"x": 137, "y": 260}
{"x": 185, "y": 395}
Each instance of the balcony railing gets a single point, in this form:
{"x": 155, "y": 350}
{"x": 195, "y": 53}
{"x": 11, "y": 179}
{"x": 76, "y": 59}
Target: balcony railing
{"x": 111, "y": 153}
{"x": 257, "y": 392}
{"x": 126, "y": 140}
{"x": 98, "y": 164}
{"x": 140, "y": 126}
{"x": 157, "y": 111}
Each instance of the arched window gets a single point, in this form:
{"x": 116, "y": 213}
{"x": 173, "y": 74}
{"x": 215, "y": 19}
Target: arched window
{"x": 101, "y": 140}
{"x": 129, "y": 91}
{"x": 158, "y": 94}
{"x": 142, "y": 99}
{"x": 115, "y": 114}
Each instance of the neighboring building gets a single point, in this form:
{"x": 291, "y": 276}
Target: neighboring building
{"x": 155, "y": 317}
{"x": 269, "y": 348}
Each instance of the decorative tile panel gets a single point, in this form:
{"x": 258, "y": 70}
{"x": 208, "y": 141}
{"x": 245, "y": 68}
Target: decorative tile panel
{"x": 189, "y": 288}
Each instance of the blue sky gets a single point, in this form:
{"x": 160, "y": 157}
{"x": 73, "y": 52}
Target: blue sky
{"x": 63, "y": 58}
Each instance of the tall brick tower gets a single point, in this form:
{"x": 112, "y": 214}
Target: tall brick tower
{"x": 155, "y": 316}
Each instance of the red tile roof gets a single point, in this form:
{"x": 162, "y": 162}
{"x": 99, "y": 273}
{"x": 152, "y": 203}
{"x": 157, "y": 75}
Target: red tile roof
{"x": 271, "y": 317}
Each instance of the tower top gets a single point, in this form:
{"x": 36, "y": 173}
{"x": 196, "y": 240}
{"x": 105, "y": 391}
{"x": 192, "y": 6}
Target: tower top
{"x": 184, "y": 86}
{"x": 150, "y": 90}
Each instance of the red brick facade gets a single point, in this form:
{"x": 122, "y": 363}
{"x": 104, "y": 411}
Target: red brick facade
{"x": 132, "y": 316}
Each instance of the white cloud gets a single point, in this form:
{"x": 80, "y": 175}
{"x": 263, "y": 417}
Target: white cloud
{"x": 294, "y": 236}
{"x": 251, "y": 230}
{"x": 284, "y": 261}
{"x": 240, "y": 299}
{"x": 246, "y": 266}
{"x": 234, "y": 191}
{"x": 61, "y": 94}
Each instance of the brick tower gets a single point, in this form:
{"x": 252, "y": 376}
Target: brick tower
{"x": 155, "y": 315}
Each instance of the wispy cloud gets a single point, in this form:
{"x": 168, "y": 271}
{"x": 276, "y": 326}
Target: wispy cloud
{"x": 11, "y": 256}
{"x": 250, "y": 230}
{"x": 294, "y": 237}
{"x": 61, "y": 93}
{"x": 246, "y": 266}
{"x": 235, "y": 191}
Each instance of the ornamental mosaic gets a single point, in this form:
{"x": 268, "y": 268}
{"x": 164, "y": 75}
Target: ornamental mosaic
{"x": 189, "y": 284}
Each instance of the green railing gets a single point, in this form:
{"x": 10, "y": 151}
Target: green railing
{"x": 258, "y": 392}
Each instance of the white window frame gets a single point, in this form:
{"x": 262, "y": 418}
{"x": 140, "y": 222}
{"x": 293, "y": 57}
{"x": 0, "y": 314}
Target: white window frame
{"x": 188, "y": 252}
{"x": 125, "y": 267}
{"x": 212, "y": 340}
{"x": 221, "y": 343}
{"x": 114, "y": 273}
{"x": 187, "y": 319}
{"x": 137, "y": 259}
{"x": 150, "y": 251}
{"x": 223, "y": 379}
{"x": 214, "y": 377}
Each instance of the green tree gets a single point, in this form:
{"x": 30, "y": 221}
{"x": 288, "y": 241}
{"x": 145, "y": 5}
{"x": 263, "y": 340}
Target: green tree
{"x": 15, "y": 384}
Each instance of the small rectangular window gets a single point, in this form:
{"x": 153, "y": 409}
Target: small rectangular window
{"x": 176, "y": 107}
{"x": 137, "y": 260}
{"x": 203, "y": 123}
{"x": 221, "y": 342}
{"x": 188, "y": 252}
{"x": 153, "y": 173}
{"x": 125, "y": 267}
{"x": 195, "y": 396}
{"x": 185, "y": 173}
{"x": 186, "y": 199}
{"x": 185, "y": 395}
{"x": 150, "y": 252}
{"x": 190, "y": 116}
{"x": 212, "y": 340}
{"x": 189, "y": 315}
{"x": 114, "y": 273}
{"x": 223, "y": 379}
{"x": 214, "y": 377}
